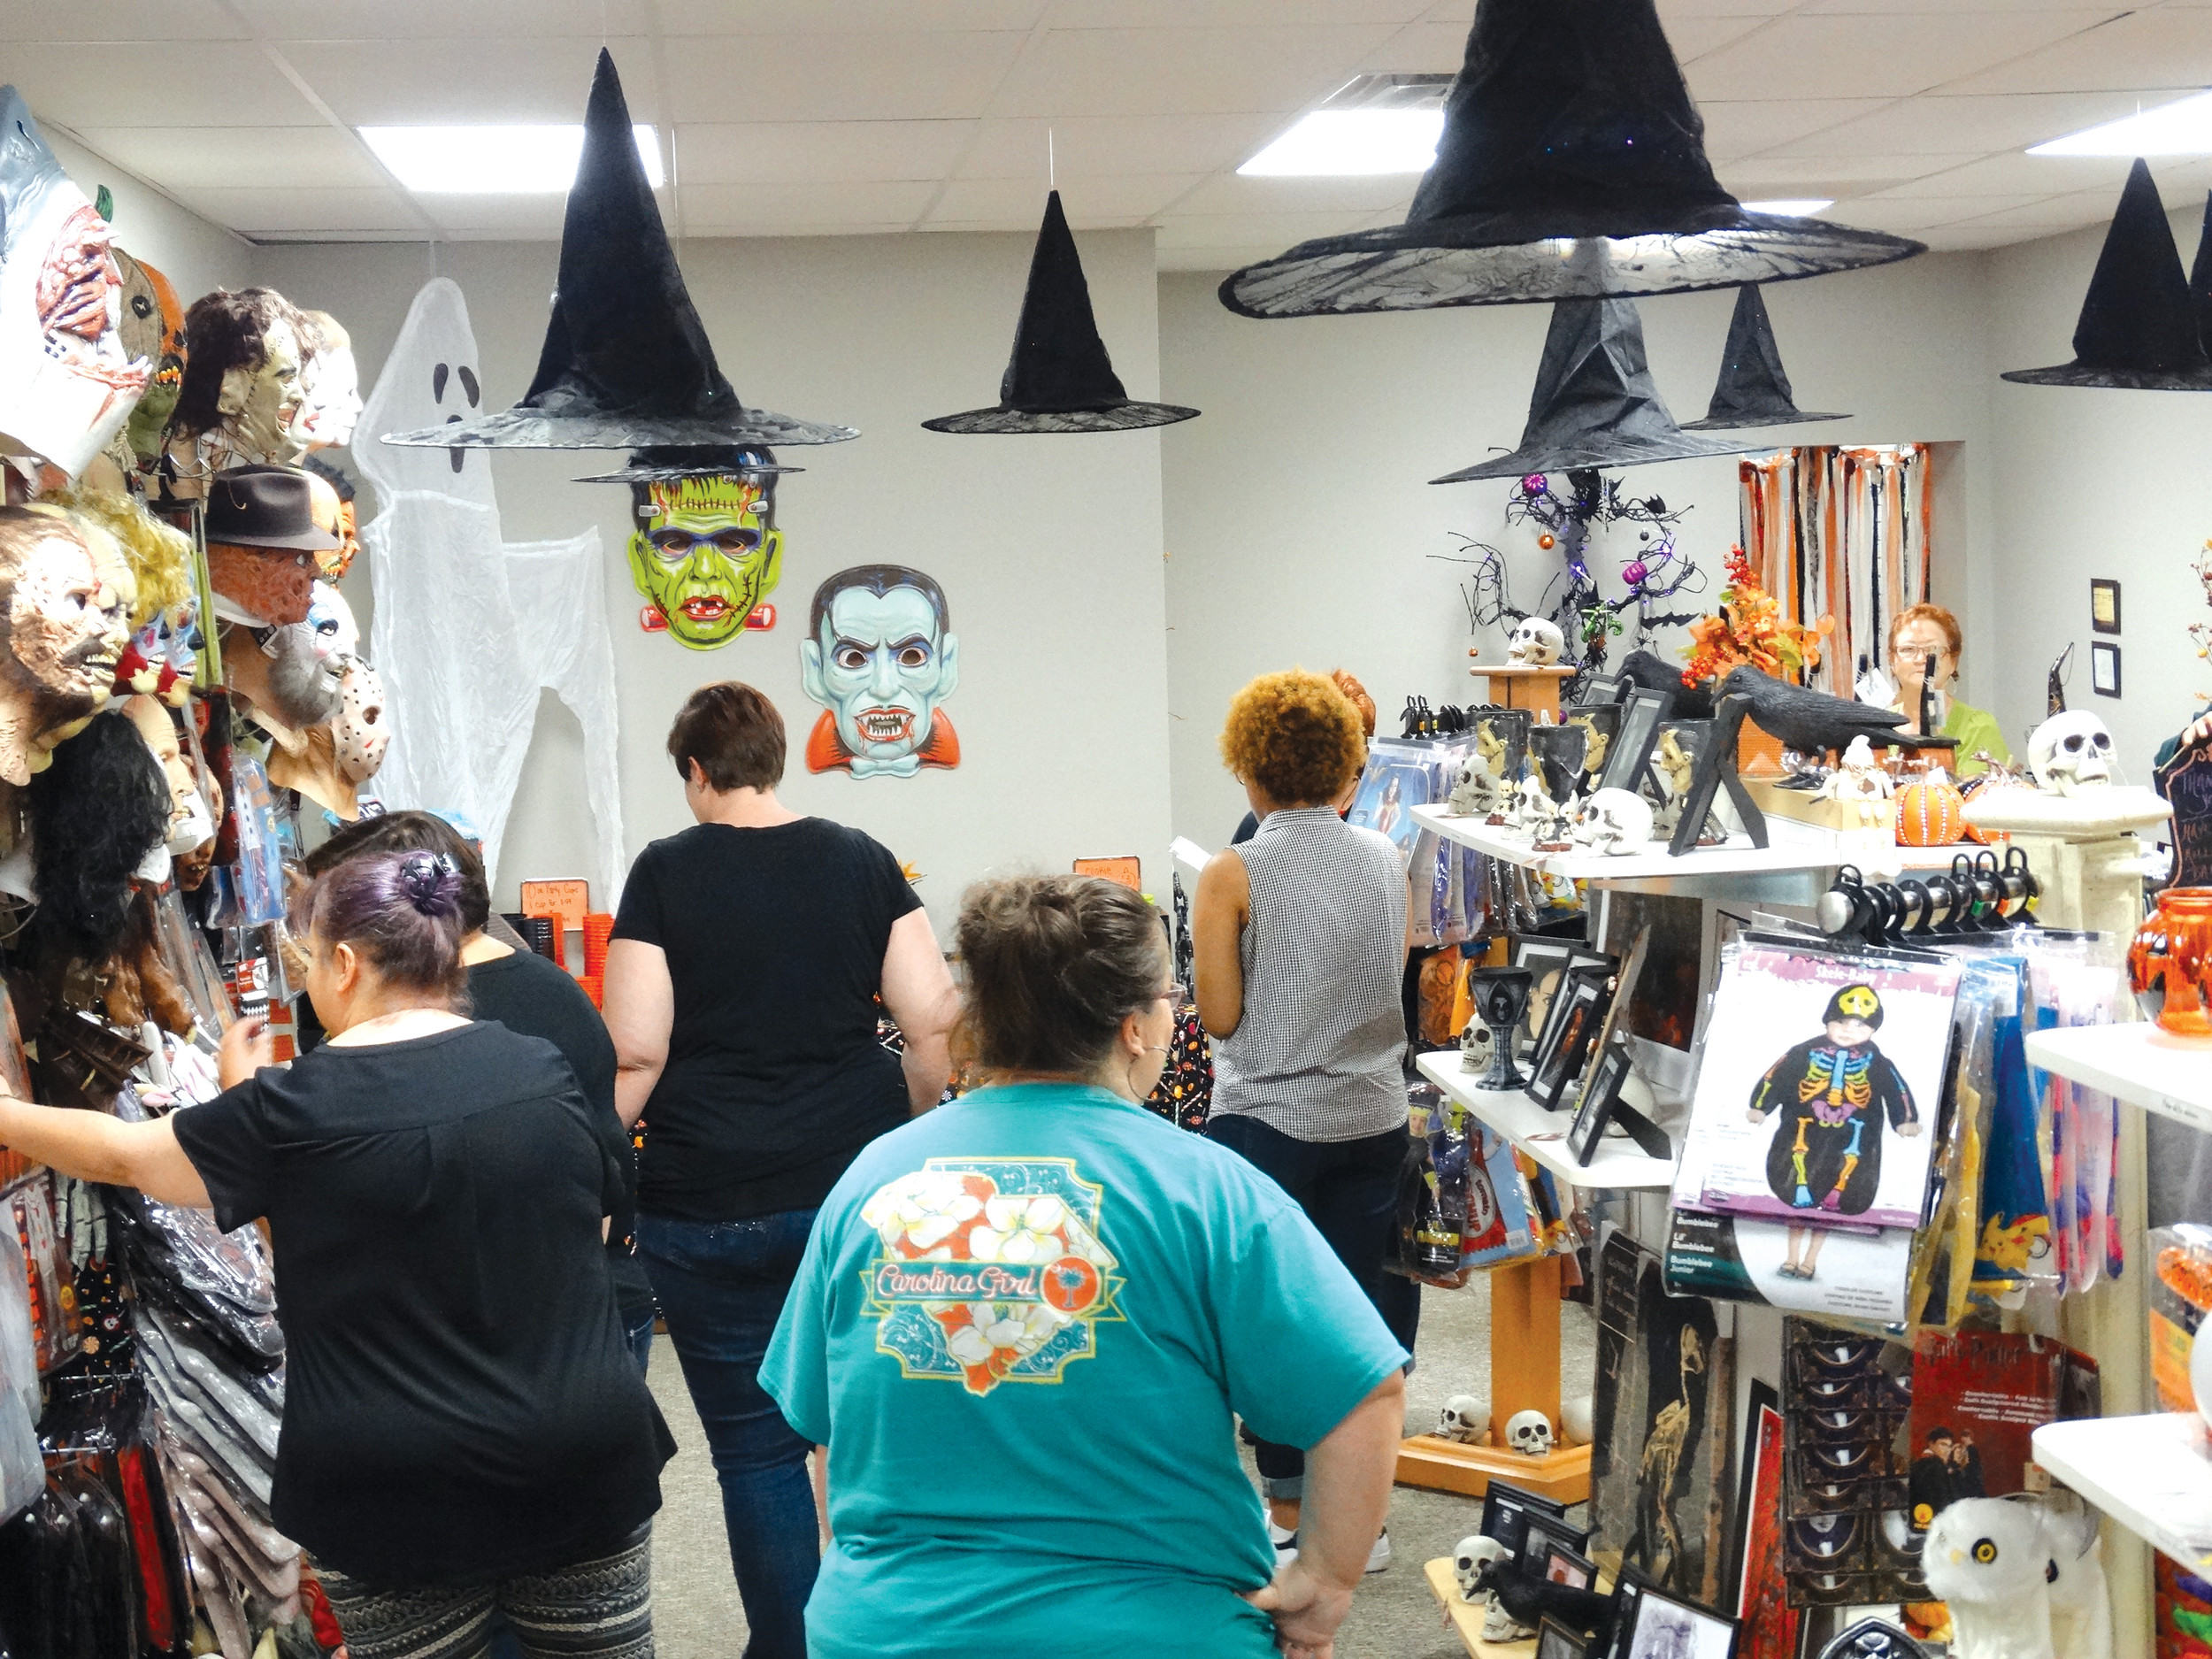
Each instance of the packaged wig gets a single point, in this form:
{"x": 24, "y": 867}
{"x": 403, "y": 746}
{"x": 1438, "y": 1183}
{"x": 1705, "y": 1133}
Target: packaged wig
{"x": 96, "y": 811}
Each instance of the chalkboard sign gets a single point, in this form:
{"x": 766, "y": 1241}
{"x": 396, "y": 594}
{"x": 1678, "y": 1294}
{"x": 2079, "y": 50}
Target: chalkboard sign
{"x": 2185, "y": 781}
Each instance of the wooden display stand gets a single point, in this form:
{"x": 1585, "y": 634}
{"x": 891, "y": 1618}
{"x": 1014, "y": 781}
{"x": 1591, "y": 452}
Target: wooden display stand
{"x": 1513, "y": 686}
{"x": 1524, "y": 1376}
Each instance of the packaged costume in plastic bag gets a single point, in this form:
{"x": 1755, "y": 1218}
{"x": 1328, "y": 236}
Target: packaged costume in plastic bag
{"x": 22, "y": 1472}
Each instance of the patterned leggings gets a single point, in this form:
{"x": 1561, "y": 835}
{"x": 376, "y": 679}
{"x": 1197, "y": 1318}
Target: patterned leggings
{"x": 601, "y": 1608}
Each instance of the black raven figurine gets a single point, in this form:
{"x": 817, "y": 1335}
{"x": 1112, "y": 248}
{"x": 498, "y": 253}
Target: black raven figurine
{"x": 1531, "y": 1600}
{"x": 1812, "y": 722}
{"x": 1649, "y": 673}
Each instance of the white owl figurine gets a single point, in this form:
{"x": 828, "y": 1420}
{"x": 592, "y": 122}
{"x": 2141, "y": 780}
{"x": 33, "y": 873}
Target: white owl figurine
{"x": 1989, "y": 1559}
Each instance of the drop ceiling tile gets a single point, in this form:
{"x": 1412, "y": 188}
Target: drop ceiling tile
{"x": 1751, "y": 126}
{"x": 2015, "y": 172}
{"x": 2053, "y": 213}
{"x": 247, "y": 157}
{"x": 1273, "y": 231}
{"x": 516, "y": 217}
{"x": 2142, "y": 52}
{"x": 1865, "y": 56}
{"x": 1098, "y": 147}
{"x": 1089, "y": 201}
{"x": 1941, "y": 124}
{"x": 1419, "y": 48}
{"x": 117, "y": 20}
{"x": 1970, "y": 239}
{"x": 1670, "y": 9}
{"x": 1696, "y": 37}
{"x": 1007, "y": 225}
{"x": 1855, "y": 174}
{"x": 807, "y": 152}
{"x": 936, "y": 75}
{"x": 182, "y": 83}
{"x": 253, "y": 212}
{"x": 1232, "y": 194}
{"x": 386, "y": 20}
{"x": 1911, "y": 215}
{"x": 458, "y": 82}
{"x": 1183, "y": 71}
{"x": 1177, "y": 14}
{"x": 745, "y": 205}
{"x": 843, "y": 16}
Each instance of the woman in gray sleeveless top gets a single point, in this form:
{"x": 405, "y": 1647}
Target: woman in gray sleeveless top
{"x": 1300, "y": 939}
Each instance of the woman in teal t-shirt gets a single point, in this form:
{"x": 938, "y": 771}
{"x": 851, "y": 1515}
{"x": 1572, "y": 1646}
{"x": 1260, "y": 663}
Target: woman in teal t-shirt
{"x": 1027, "y": 1322}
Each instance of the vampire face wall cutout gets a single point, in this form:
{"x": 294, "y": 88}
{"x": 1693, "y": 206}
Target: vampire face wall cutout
{"x": 63, "y": 625}
{"x": 241, "y": 388}
{"x": 881, "y": 656}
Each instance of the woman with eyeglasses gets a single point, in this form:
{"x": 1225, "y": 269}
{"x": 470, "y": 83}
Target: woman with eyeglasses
{"x": 1925, "y": 633}
{"x": 1027, "y": 1322}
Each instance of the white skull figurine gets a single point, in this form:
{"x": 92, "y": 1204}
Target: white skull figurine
{"x": 1616, "y": 822}
{"x": 1529, "y": 1433}
{"x": 1475, "y": 1552}
{"x": 1536, "y": 642}
{"x": 2071, "y": 752}
{"x": 1475, "y": 791}
{"x": 1474, "y": 1056}
{"x": 1575, "y": 1420}
{"x": 1464, "y": 1418}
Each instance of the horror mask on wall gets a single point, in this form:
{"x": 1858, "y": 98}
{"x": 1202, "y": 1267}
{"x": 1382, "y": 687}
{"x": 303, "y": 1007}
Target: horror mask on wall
{"x": 880, "y": 656}
{"x": 706, "y": 552}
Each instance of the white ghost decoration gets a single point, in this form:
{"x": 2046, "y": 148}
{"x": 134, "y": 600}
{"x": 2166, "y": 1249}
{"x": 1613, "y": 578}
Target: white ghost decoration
{"x": 470, "y": 628}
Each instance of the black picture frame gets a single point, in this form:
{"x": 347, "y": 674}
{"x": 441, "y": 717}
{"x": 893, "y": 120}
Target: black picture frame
{"x": 1763, "y": 1394}
{"x": 1655, "y": 1607}
{"x": 1604, "y": 722}
{"x": 1509, "y": 728}
{"x": 2104, "y": 668}
{"x": 1555, "y": 1640}
{"x": 1585, "y": 964}
{"x": 1600, "y": 1099}
{"x": 1546, "y": 959}
{"x": 1631, "y": 970}
{"x": 1558, "y": 752}
{"x": 1559, "y": 1067}
{"x": 1716, "y": 770}
{"x": 1641, "y": 717}
{"x": 1505, "y": 1511}
{"x": 1598, "y": 691}
{"x": 1629, "y": 1585}
{"x": 2104, "y": 601}
{"x": 1570, "y": 1567}
{"x": 1545, "y": 1533}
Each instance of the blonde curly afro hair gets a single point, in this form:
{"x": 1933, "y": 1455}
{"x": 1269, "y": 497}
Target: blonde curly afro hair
{"x": 1297, "y": 735}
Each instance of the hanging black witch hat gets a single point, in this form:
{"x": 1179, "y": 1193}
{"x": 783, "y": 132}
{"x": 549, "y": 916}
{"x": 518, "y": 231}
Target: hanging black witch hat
{"x": 729, "y": 460}
{"x": 1595, "y": 403}
{"x": 626, "y": 363}
{"x": 1572, "y": 165}
{"x": 2200, "y": 280}
{"x": 1059, "y": 378}
{"x": 1753, "y": 390}
{"x": 2138, "y": 329}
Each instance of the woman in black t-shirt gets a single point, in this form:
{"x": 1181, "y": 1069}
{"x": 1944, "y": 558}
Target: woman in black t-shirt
{"x": 465, "y": 1434}
{"x": 741, "y": 990}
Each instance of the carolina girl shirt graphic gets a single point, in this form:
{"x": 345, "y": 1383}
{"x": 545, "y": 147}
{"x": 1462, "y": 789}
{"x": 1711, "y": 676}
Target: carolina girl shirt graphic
{"x": 990, "y": 1270}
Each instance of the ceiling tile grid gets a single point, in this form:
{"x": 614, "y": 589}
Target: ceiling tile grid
{"x": 834, "y": 117}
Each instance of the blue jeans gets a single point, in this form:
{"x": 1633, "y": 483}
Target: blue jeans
{"x": 640, "y": 1340}
{"x": 721, "y": 1287}
{"x": 1349, "y": 1191}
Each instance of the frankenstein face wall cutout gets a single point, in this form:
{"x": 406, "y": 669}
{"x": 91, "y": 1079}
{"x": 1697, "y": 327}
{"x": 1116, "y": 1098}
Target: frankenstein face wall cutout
{"x": 706, "y": 553}
{"x": 66, "y": 381}
{"x": 881, "y": 656}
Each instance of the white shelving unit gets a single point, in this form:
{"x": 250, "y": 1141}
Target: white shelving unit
{"x": 2139, "y": 1064}
{"x": 2151, "y": 1474}
{"x": 1543, "y": 1135}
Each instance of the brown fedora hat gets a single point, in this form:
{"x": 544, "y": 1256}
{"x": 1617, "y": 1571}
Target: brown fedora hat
{"x": 265, "y": 506}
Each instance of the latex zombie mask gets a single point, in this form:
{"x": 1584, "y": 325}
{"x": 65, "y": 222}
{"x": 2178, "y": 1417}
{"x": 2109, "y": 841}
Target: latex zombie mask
{"x": 330, "y": 387}
{"x": 244, "y": 353}
{"x": 705, "y": 554}
{"x": 65, "y": 619}
{"x": 67, "y": 383}
{"x": 290, "y": 683}
{"x": 882, "y": 658}
{"x": 190, "y": 824}
{"x": 152, "y": 328}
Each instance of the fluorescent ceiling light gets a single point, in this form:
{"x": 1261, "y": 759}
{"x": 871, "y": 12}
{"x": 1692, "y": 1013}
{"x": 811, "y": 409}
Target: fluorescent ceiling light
{"x": 1339, "y": 143}
{"x": 1792, "y": 207}
{"x": 2171, "y": 130}
{"x": 492, "y": 160}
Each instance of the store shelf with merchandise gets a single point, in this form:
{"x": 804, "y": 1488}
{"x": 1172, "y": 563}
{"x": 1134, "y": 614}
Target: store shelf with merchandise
{"x": 1542, "y": 1135}
{"x": 2139, "y": 1064}
{"x": 2151, "y": 1474}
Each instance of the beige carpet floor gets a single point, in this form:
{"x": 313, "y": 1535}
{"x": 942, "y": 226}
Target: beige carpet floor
{"x": 695, "y": 1609}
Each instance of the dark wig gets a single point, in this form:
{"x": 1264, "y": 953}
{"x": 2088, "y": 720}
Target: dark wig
{"x": 225, "y": 331}
{"x": 401, "y": 912}
{"x": 96, "y": 811}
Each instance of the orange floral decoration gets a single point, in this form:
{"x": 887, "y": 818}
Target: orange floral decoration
{"x": 1750, "y": 629}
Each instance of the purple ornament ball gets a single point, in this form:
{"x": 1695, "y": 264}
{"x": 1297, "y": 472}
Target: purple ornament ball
{"x": 1532, "y": 484}
{"x": 1634, "y": 574}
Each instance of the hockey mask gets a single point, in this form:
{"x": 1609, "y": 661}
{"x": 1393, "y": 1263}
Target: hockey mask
{"x": 706, "y": 552}
{"x": 360, "y": 728}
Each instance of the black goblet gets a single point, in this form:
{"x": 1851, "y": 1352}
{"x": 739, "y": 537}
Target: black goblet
{"x": 1501, "y": 996}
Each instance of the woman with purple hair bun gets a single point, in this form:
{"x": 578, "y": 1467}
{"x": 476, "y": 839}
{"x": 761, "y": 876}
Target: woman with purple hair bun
{"x": 465, "y": 1435}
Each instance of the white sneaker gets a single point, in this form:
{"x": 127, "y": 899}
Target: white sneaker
{"x": 1285, "y": 1542}
{"x": 1379, "y": 1558}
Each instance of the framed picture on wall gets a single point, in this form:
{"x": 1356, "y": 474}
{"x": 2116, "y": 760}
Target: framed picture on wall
{"x": 2104, "y": 604}
{"x": 2104, "y": 668}
{"x": 1665, "y": 1628}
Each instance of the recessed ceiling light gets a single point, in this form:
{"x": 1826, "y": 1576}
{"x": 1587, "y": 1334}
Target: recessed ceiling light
{"x": 2172, "y": 129}
{"x": 1792, "y": 207}
{"x": 1337, "y": 143}
{"x": 492, "y": 160}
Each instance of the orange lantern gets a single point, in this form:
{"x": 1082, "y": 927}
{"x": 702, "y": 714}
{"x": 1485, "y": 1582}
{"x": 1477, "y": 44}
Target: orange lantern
{"x": 1930, "y": 813}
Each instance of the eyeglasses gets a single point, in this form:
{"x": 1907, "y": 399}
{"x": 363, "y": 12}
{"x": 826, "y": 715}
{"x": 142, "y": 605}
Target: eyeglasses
{"x": 1177, "y": 993}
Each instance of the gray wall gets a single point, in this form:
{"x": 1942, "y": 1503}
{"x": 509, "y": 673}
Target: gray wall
{"x": 1048, "y": 548}
{"x": 193, "y": 254}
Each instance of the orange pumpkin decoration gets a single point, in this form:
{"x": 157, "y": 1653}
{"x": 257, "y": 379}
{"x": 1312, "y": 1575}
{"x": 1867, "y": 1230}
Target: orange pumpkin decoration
{"x": 1930, "y": 813}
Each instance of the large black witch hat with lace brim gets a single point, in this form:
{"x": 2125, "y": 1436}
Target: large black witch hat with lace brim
{"x": 2138, "y": 329}
{"x": 1059, "y": 378}
{"x": 1572, "y": 165}
{"x": 1595, "y": 403}
{"x": 1753, "y": 390}
{"x": 626, "y": 363}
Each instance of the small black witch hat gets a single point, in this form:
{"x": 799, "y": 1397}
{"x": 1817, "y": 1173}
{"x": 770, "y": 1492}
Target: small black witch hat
{"x": 626, "y": 363}
{"x": 1059, "y": 378}
{"x": 2139, "y": 329}
{"x": 1595, "y": 403}
{"x": 1753, "y": 390}
{"x": 1572, "y": 165}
